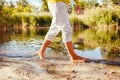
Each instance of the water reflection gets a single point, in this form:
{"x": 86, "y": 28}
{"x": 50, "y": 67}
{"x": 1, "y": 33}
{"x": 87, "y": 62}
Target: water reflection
{"x": 92, "y": 54}
{"x": 90, "y": 39}
{"x": 94, "y": 44}
{"x": 4, "y": 37}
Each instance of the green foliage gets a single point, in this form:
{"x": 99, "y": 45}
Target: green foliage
{"x": 83, "y": 4}
{"x": 94, "y": 17}
{"x": 101, "y": 37}
{"x": 91, "y": 3}
{"x": 7, "y": 12}
{"x": 23, "y": 6}
{"x": 29, "y": 19}
{"x": 44, "y": 7}
{"x": 116, "y": 2}
{"x": 44, "y": 20}
{"x": 75, "y": 20}
{"x": 88, "y": 4}
{"x": 5, "y": 16}
{"x": 102, "y": 16}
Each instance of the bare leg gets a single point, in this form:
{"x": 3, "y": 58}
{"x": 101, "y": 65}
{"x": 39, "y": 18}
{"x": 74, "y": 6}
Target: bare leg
{"x": 73, "y": 56}
{"x": 42, "y": 49}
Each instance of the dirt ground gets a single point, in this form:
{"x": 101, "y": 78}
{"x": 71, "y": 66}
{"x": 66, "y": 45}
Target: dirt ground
{"x": 57, "y": 68}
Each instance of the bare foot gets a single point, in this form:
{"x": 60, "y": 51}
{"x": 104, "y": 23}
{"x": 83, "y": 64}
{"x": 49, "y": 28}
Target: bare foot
{"x": 78, "y": 59}
{"x": 41, "y": 55}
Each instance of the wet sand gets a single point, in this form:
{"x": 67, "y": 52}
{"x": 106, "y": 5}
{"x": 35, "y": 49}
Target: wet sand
{"x": 56, "y": 67}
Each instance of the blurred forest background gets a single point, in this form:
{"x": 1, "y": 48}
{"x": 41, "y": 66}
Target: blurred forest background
{"x": 93, "y": 14}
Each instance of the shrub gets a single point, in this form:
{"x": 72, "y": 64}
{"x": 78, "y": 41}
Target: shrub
{"x": 32, "y": 19}
{"x": 102, "y": 17}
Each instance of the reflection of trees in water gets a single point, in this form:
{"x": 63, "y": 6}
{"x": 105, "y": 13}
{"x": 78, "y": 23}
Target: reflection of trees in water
{"x": 100, "y": 36}
{"x": 4, "y": 37}
{"x": 108, "y": 40}
{"x": 21, "y": 34}
{"x": 114, "y": 53}
{"x": 111, "y": 54}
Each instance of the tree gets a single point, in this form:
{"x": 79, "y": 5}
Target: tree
{"x": 83, "y": 4}
{"x": 5, "y": 14}
{"x": 107, "y": 2}
{"x": 23, "y": 6}
{"x": 1, "y": 11}
{"x": 116, "y": 2}
{"x": 88, "y": 4}
{"x": 44, "y": 7}
{"x": 2, "y": 2}
{"x": 91, "y": 3}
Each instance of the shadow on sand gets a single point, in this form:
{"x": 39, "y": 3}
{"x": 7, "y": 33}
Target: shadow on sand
{"x": 107, "y": 62}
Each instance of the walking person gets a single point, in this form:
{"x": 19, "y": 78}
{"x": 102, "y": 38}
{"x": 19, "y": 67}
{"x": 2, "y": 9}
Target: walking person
{"x": 60, "y": 22}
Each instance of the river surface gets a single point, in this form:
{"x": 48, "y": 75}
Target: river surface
{"x": 25, "y": 43}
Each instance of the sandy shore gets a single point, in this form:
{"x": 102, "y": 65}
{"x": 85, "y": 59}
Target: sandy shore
{"x": 55, "y": 68}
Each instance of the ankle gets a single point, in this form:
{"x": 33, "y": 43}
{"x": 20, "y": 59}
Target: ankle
{"x": 41, "y": 55}
{"x": 40, "y": 51}
{"x": 72, "y": 57}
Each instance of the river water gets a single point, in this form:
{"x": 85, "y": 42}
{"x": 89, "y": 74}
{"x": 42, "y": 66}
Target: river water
{"x": 25, "y": 43}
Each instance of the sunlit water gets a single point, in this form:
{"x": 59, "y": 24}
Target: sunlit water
{"x": 27, "y": 44}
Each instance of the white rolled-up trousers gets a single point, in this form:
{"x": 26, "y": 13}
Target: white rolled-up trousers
{"x": 60, "y": 22}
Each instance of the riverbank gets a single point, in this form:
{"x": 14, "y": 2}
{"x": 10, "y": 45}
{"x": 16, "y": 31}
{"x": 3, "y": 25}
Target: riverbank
{"x": 56, "y": 67}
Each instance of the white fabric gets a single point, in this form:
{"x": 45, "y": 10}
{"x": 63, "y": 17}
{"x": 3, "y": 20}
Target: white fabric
{"x": 60, "y": 22}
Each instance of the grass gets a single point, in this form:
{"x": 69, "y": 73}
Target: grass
{"x": 99, "y": 17}
{"x": 32, "y": 19}
{"x": 94, "y": 18}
